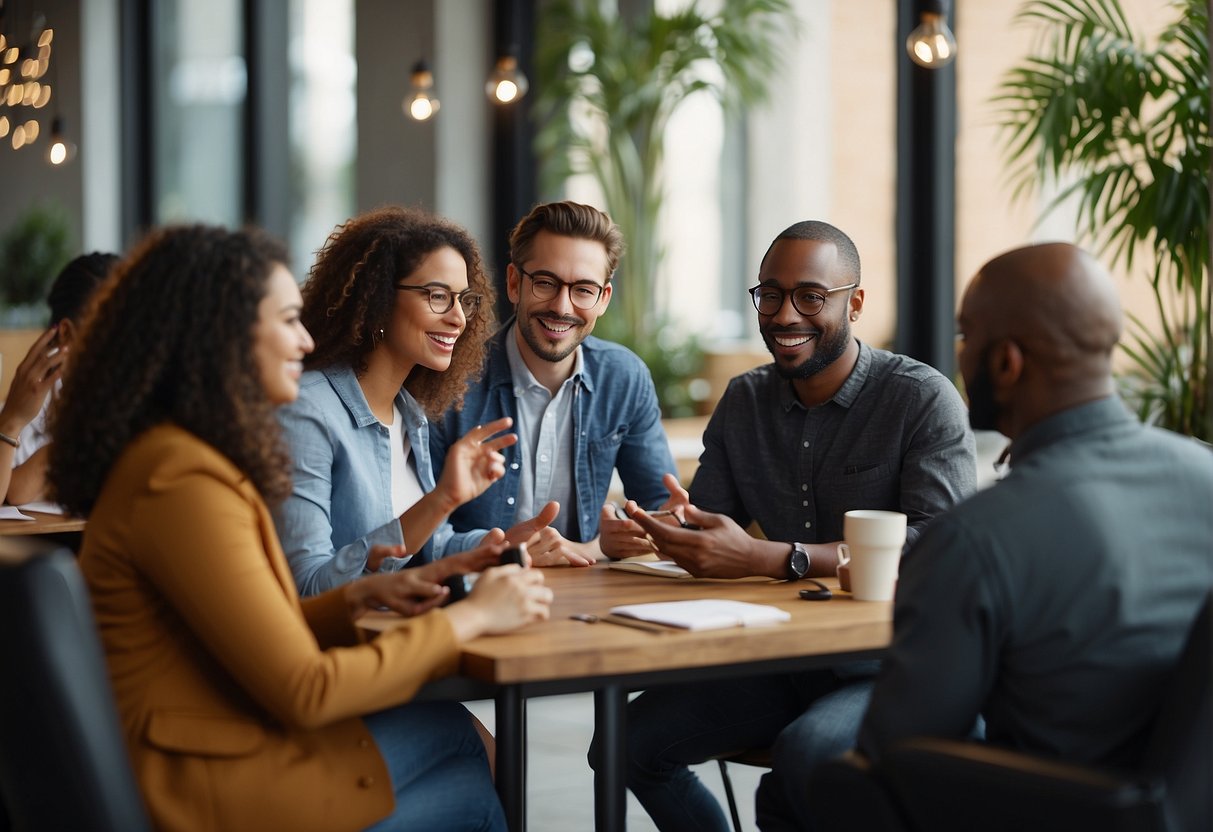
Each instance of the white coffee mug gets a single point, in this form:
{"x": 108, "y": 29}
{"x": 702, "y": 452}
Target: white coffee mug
{"x": 872, "y": 552}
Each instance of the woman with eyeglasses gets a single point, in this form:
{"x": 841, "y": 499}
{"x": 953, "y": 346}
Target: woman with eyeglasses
{"x": 401, "y": 308}
{"x": 243, "y": 706}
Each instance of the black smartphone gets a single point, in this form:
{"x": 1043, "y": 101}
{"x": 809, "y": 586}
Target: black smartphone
{"x": 514, "y": 554}
{"x": 458, "y": 585}
{"x": 821, "y": 592}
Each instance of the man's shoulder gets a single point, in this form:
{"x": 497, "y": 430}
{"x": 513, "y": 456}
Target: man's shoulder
{"x": 893, "y": 365}
{"x": 612, "y": 364}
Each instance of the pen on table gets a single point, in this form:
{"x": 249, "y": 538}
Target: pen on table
{"x": 622, "y": 622}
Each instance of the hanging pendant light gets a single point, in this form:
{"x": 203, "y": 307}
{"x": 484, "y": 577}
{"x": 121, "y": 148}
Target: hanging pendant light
{"x": 421, "y": 104}
{"x": 507, "y": 83}
{"x": 932, "y": 44}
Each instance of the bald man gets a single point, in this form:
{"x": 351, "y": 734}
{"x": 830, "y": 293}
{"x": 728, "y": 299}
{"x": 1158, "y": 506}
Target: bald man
{"x": 1056, "y": 602}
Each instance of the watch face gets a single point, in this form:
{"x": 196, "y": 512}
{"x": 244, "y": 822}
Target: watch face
{"x": 798, "y": 563}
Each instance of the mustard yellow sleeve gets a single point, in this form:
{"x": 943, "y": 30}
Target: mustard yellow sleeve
{"x": 198, "y": 540}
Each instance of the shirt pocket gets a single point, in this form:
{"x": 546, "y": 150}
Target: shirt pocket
{"x": 609, "y": 443}
{"x": 873, "y": 485}
{"x": 204, "y": 735}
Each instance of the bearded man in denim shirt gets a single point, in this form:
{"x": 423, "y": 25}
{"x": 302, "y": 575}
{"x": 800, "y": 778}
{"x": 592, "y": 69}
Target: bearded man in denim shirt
{"x": 831, "y": 425}
{"x": 582, "y": 407}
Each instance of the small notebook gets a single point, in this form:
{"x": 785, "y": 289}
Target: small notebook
{"x": 705, "y": 614}
{"x": 650, "y": 565}
{"x": 664, "y": 568}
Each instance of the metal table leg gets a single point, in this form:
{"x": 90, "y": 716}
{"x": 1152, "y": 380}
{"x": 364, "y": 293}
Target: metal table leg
{"x": 610, "y": 791}
{"x": 511, "y": 755}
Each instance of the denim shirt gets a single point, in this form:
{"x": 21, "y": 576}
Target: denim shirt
{"x": 341, "y": 499}
{"x": 616, "y": 425}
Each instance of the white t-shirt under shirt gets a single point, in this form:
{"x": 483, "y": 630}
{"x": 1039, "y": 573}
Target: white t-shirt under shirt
{"x": 406, "y": 488}
{"x": 34, "y": 435}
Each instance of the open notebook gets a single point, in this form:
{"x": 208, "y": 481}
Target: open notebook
{"x": 705, "y": 614}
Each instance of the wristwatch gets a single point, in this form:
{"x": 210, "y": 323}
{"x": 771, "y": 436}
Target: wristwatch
{"x": 798, "y": 562}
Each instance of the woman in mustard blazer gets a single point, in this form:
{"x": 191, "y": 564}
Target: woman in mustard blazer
{"x": 243, "y": 707}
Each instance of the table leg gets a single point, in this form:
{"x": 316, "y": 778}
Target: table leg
{"x": 610, "y": 791}
{"x": 511, "y": 755}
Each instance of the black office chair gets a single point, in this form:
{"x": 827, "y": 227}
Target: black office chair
{"x": 944, "y": 785}
{"x": 63, "y": 762}
{"x": 758, "y": 757}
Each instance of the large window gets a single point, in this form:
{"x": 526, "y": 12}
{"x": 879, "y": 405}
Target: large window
{"x": 199, "y": 83}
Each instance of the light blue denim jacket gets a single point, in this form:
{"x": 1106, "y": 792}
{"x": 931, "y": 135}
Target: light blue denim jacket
{"x": 616, "y": 425}
{"x": 341, "y": 500}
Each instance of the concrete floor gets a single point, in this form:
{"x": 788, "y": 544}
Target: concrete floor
{"x": 560, "y": 784}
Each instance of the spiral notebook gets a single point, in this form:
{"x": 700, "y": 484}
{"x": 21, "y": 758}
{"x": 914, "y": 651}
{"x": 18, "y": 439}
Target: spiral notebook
{"x": 705, "y": 614}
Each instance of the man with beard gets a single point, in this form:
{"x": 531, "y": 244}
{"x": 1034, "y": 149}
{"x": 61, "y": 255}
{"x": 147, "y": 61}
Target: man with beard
{"x": 582, "y": 407}
{"x": 1055, "y": 603}
{"x": 831, "y": 425}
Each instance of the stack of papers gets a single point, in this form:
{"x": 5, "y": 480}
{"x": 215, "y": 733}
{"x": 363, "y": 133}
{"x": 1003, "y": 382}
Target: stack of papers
{"x": 705, "y": 614}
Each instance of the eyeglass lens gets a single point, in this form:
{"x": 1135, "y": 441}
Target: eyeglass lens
{"x": 581, "y": 295}
{"x": 769, "y": 299}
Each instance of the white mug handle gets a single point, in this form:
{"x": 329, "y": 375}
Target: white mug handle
{"x": 844, "y": 554}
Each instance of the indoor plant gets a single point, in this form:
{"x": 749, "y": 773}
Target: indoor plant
{"x": 609, "y": 84}
{"x": 1128, "y": 126}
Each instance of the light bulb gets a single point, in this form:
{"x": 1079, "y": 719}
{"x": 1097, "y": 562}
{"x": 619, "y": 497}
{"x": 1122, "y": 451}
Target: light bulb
{"x": 507, "y": 83}
{"x": 11, "y": 55}
{"x": 421, "y": 104}
{"x": 18, "y": 137}
{"x": 3, "y": 126}
{"x": 932, "y": 44}
{"x": 60, "y": 151}
{"x": 46, "y": 37}
{"x": 421, "y": 107}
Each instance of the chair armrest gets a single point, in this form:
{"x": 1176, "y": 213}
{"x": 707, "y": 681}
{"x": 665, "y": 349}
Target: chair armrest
{"x": 845, "y": 793}
{"x": 953, "y": 785}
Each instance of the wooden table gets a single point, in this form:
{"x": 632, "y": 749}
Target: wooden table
{"x": 566, "y": 656}
{"x": 42, "y": 524}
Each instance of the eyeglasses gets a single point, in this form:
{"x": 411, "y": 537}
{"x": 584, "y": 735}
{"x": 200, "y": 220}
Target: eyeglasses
{"x": 583, "y": 294}
{"x": 768, "y": 300}
{"x": 441, "y": 300}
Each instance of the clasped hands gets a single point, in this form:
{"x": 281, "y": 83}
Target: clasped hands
{"x": 718, "y": 548}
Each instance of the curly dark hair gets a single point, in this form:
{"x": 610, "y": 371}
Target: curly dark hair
{"x": 170, "y": 339}
{"x": 351, "y": 293}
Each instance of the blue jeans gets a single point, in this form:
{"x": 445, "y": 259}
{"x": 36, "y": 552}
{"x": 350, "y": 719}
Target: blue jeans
{"x": 673, "y": 727}
{"x": 439, "y": 770}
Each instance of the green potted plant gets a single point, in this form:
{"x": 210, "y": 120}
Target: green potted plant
{"x": 32, "y": 251}
{"x": 1128, "y": 126}
{"x": 609, "y": 84}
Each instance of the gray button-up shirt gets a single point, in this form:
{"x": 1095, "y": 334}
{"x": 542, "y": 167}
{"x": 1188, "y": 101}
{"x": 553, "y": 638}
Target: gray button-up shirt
{"x": 895, "y": 436}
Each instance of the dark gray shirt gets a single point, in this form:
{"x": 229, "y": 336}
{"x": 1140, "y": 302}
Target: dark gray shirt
{"x": 1056, "y": 602}
{"x": 895, "y": 436}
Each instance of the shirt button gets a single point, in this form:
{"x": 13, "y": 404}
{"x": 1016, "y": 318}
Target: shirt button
{"x": 543, "y": 457}
{"x": 513, "y": 466}
{"x": 366, "y": 781}
{"x": 804, "y": 502}
{"x": 804, "y": 486}
{"x": 510, "y": 501}
{"x": 804, "y": 444}
{"x": 808, "y": 524}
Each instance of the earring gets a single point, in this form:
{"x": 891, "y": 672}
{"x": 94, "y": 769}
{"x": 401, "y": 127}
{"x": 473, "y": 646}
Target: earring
{"x": 854, "y": 317}
{"x": 380, "y": 334}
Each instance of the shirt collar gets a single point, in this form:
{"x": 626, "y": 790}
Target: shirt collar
{"x": 524, "y": 379}
{"x": 847, "y": 393}
{"x": 1093, "y": 415}
{"x": 345, "y": 383}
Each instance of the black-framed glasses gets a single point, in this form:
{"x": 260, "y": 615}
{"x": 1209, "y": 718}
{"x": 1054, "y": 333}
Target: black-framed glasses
{"x": 806, "y": 300}
{"x": 583, "y": 294}
{"x": 441, "y": 300}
